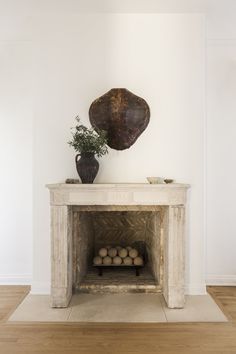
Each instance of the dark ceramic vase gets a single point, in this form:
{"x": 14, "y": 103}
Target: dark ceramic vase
{"x": 87, "y": 167}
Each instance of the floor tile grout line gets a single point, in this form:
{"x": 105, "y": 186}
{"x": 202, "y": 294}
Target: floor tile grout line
{"x": 163, "y": 309}
{"x": 69, "y": 315}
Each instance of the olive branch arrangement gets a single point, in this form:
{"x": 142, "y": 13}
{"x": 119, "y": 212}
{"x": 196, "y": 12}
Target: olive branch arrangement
{"x": 88, "y": 140}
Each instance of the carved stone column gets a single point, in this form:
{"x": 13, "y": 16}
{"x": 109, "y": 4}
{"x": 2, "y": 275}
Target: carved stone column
{"x": 174, "y": 260}
{"x": 61, "y": 253}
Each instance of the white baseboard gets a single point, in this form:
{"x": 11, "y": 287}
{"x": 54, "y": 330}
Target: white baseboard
{"x": 223, "y": 280}
{"x": 195, "y": 289}
{"x": 15, "y": 279}
{"x": 40, "y": 288}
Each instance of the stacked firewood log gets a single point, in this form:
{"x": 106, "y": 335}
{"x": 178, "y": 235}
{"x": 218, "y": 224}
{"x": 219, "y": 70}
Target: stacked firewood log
{"x": 117, "y": 255}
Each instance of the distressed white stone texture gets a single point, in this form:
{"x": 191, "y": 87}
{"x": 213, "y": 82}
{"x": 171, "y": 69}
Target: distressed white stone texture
{"x": 61, "y": 255}
{"x": 138, "y": 196}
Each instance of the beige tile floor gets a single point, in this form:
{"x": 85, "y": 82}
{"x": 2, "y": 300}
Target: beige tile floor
{"x": 118, "y": 308}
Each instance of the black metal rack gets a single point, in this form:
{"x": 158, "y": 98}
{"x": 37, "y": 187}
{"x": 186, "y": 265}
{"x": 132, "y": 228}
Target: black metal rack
{"x": 101, "y": 267}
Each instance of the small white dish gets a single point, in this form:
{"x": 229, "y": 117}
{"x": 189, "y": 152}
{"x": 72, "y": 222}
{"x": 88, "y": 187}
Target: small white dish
{"x": 155, "y": 180}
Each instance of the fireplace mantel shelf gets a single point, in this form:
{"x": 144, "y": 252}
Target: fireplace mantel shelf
{"x": 116, "y": 185}
{"x": 118, "y": 194}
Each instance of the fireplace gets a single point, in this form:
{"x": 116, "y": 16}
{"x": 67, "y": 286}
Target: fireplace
{"x": 86, "y": 218}
{"x": 98, "y": 227}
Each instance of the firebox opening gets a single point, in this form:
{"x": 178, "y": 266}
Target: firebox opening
{"x": 93, "y": 230}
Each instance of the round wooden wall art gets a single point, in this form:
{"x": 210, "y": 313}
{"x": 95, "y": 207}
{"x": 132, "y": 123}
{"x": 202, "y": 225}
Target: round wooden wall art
{"x": 123, "y": 115}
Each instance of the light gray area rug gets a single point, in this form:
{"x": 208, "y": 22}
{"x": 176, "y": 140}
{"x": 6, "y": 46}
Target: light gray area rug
{"x": 139, "y": 308}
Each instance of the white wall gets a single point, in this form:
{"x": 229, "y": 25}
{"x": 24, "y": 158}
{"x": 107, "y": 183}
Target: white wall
{"x": 16, "y": 162}
{"x": 42, "y": 7}
{"x": 159, "y": 57}
{"x": 221, "y": 143}
{"x": 61, "y": 63}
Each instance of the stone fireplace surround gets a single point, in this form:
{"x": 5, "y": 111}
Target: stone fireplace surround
{"x": 169, "y": 200}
